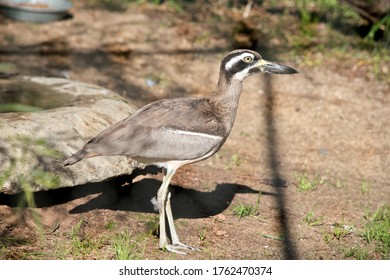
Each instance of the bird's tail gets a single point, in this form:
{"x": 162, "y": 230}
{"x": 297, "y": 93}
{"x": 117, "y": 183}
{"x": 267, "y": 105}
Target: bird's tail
{"x": 76, "y": 157}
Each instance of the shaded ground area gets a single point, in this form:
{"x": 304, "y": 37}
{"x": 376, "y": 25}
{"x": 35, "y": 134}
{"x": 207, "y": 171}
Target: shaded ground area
{"x": 308, "y": 158}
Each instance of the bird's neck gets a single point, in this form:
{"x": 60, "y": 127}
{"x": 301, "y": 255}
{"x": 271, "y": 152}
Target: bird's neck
{"x": 225, "y": 99}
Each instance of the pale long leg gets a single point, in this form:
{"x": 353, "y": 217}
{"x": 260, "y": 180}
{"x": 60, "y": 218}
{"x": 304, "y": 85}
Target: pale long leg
{"x": 176, "y": 244}
{"x": 161, "y": 200}
{"x": 164, "y": 207}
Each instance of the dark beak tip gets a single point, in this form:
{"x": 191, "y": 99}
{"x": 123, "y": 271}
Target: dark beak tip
{"x": 287, "y": 70}
{"x": 277, "y": 68}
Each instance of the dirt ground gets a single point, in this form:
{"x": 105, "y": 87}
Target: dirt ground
{"x": 327, "y": 127}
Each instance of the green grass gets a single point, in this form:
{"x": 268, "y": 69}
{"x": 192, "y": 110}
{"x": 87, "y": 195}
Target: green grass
{"x": 36, "y": 148}
{"x": 274, "y": 237}
{"x": 365, "y": 186}
{"x": 28, "y": 200}
{"x": 78, "y": 247}
{"x": 111, "y": 244}
{"x": 339, "y": 183}
{"x": 83, "y": 246}
{"x": 340, "y": 230}
{"x": 245, "y": 210}
{"x": 329, "y": 26}
{"x": 306, "y": 184}
{"x": 374, "y": 237}
{"x": 383, "y": 23}
{"x": 312, "y": 220}
{"x": 153, "y": 226}
{"x": 331, "y": 11}
{"x": 125, "y": 248}
{"x": 327, "y": 237}
{"x": 377, "y": 230}
{"x": 306, "y": 17}
{"x": 7, "y": 242}
{"x": 235, "y": 161}
{"x": 45, "y": 179}
{"x": 110, "y": 225}
{"x": 242, "y": 210}
{"x": 7, "y": 173}
{"x": 202, "y": 234}
{"x": 357, "y": 253}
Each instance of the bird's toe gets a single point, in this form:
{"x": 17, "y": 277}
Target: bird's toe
{"x": 179, "y": 248}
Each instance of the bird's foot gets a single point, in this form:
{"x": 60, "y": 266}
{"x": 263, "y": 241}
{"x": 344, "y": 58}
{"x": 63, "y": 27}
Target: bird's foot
{"x": 179, "y": 248}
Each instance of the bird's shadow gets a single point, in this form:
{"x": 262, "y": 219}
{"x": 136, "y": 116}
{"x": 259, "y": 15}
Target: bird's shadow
{"x": 186, "y": 203}
{"x": 126, "y": 194}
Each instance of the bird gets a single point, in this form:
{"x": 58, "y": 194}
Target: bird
{"x": 170, "y": 133}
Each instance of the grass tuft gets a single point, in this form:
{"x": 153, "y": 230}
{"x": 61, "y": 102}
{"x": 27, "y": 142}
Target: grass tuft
{"x": 357, "y": 253}
{"x": 245, "y": 210}
{"x": 305, "y": 184}
{"x": 202, "y": 234}
{"x": 377, "y": 230}
{"x": 125, "y": 248}
{"x": 313, "y": 220}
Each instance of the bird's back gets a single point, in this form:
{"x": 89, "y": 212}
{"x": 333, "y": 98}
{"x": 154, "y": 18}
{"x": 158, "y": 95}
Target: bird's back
{"x": 169, "y": 129}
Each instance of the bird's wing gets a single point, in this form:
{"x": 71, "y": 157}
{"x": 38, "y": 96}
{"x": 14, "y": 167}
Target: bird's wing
{"x": 171, "y": 129}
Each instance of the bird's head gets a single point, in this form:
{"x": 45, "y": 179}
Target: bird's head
{"x": 240, "y": 64}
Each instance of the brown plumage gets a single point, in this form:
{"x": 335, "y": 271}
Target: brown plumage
{"x": 173, "y": 132}
{"x": 142, "y": 134}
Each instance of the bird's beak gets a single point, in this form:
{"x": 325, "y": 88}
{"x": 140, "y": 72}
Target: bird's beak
{"x": 274, "y": 68}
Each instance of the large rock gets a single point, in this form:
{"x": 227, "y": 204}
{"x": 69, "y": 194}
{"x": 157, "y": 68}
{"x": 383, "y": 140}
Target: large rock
{"x": 33, "y": 145}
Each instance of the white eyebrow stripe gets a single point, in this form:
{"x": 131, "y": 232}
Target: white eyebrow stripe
{"x": 191, "y": 133}
{"x": 234, "y": 60}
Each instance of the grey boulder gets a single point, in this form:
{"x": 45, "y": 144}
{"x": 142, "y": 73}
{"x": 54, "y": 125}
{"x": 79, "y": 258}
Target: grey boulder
{"x": 33, "y": 145}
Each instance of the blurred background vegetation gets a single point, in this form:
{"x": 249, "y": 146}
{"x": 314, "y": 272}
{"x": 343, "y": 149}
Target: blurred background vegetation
{"x": 369, "y": 19}
{"x": 314, "y": 30}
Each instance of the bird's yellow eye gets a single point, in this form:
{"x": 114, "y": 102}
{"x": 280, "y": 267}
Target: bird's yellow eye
{"x": 247, "y": 59}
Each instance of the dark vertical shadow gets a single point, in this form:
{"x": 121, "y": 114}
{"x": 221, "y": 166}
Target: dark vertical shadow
{"x": 277, "y": 177}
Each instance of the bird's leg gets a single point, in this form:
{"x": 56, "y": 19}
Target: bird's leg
{"x": 174, "y": 237}
{"x": 164, "y": 206}
{"x": 161, "y": 201}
